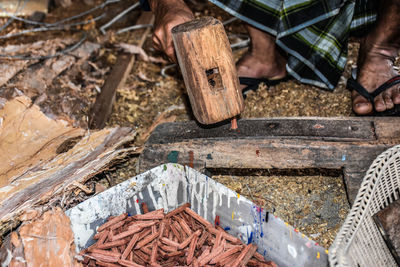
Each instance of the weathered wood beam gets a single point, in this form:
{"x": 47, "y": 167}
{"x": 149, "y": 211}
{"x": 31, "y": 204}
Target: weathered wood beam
{"x": 348, "y": 144}
{"x": 102, "y": 107}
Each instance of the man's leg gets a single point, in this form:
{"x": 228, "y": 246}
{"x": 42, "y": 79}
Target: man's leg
{"x": 263, "y": 60}
{"x": 376, "y": 57}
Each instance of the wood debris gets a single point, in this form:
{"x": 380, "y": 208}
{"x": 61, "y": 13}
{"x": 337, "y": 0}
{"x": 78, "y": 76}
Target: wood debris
{"x": 43, "y": 160}
{"x": 47, "y": 239}
{"x": 178, "y": 238}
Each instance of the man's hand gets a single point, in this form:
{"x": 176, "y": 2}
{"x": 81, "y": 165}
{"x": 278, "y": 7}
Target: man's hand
{"x": 168, "y": 14}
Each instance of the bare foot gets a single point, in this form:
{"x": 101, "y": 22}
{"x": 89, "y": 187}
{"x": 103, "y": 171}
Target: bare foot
{"x": 375, "y": 66}
{"x": 263, "y": 60}
{"x": 376, "y": 57}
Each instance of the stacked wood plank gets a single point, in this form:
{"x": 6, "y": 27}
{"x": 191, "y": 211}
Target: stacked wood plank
{"x": 178, "y": 238}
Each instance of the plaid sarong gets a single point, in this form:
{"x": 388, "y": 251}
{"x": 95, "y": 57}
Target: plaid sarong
{"x": 314, "y": 33}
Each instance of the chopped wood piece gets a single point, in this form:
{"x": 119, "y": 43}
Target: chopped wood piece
{"x": 185, "y": 227}
{"x": 145, "y": 209}
{"x": 249, "y": 249}
{"x": 191, "y": 250}
{"x": 130, "y": 246}
{"x": 198, "y": 218}
{"x": 162, "y": 228}
{"x": 205, "y": 253}
{"x": 125, "y": 234}
{"x": 226, "y": 254}
{"x": 209, "y": 257}
{"x": 129, "y": 263}
{"x": 168, "y": 240}
{"x": 106, "y": 264}
{"x": 186, "y": 242}
{"x": 154, "y": 215}
{"x": 203, "y": 239}
{"x": 117, "y": 225}
{"x": 225, "y": 235}
{"x": 147, "y": 249}
{"x": 249, "y": 255}
{"x": 176, "y": 232}
{"x": 234, "y": 125}
{"x": 218, "y": 239}
{"x": 146, "y": 240}
{"x": 102, "y": 238}
{"x": 113, "y": 221}
{"x": 105, "y": 258}
{"x": 153, "y": 256}
{"x": 141, "y": 224}
{"x": 168, "y": 248}
{"x": 177, "y": 210}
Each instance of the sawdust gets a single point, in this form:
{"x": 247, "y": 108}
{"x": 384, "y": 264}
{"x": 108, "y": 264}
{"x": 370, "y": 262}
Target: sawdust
{"x": 315, "y": 205}
{"x": 148, "y": 95}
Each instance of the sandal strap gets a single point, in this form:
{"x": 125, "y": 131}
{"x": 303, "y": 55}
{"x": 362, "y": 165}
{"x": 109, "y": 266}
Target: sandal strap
{"x": 253, "y": 82}
{"x": 389, "y": 83}
{"x": 352, "y": 84}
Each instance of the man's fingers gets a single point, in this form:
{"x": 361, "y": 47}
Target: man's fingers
{"x": 170, "y": 51}
{"x": 156, "y": 44}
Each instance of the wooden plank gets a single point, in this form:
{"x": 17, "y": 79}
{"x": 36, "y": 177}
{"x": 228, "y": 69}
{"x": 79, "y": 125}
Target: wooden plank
{"x": 290, "y": 128}
{"x": 336, "y": 143}
{"x": 102, "y": 107}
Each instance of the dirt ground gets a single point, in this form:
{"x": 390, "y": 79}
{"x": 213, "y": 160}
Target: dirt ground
{"x": 316, "y": 205}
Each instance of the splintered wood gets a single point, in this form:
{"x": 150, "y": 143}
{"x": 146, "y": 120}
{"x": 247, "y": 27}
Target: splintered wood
{"x": 178, "y": 238}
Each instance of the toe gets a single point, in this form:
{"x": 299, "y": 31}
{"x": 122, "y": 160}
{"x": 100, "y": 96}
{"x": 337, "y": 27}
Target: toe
{"x": 396, "y": 96}
{"x": 387, "y": 98}
{"x": 379, "y": 103}
{"x": 361, "y": 106}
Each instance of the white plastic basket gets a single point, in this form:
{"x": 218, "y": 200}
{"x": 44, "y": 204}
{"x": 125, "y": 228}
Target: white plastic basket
{"x": 359, "y": 242}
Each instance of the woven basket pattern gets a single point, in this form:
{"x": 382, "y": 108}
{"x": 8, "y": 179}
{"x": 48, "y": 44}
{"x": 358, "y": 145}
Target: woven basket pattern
{"x": 359, "y": 242}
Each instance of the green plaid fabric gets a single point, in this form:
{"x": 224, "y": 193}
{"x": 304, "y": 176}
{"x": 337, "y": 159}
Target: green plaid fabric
{"x": 314, "y": 33}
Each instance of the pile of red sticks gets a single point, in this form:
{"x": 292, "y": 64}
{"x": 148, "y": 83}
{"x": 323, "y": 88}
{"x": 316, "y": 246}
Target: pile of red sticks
{"x": 178, "y": 238}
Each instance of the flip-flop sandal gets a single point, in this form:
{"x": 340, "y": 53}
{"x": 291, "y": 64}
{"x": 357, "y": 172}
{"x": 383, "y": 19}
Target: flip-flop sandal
{"x": 252, "y": 83}
{"x": 352, "y": 84}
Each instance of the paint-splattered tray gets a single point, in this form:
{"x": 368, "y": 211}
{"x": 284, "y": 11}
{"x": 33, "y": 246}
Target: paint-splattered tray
{"x": 170, "y": 185}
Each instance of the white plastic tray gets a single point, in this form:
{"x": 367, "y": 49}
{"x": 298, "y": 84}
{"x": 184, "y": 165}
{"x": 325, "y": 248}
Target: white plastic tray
{"x": 170, "y": 185}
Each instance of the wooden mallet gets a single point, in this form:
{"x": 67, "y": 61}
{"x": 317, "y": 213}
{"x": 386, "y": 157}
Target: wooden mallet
{"x": 208, "y": 69}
